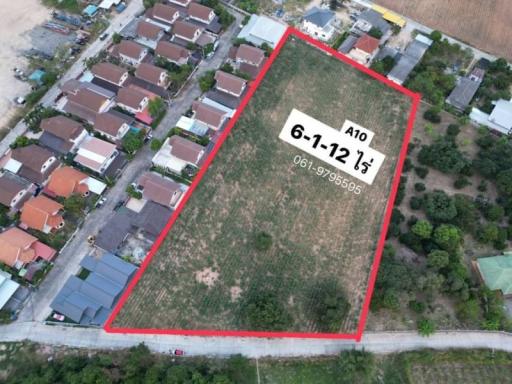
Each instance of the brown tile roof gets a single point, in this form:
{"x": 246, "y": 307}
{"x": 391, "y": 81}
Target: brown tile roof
{"x": 62, "y": 127}
{"x": 158, "y": 189}
{"x": 40, "y": 211}
{"x": 148, "y": 30}
{"x": 185, "y": 149}
{"x": 171, "y": 51}
{"x": 250, "y": 54}
{"x": 32, "y": 156}
{"x": 10, "y": 186}
{"x": 98, "y": 146}
{"x": 66, "y": 181}
{"x": 130, "y": 49}
{"x": 208, "y": 114}
{"x": 16, "y": 246}
{"x": 367, "y": 43}
{"x": 109, "y": 72}
{"x": 199, "y": 11}
{"x": 229, "y": 82}
{"x": 130, "y": 97}
{"x": 164, "y": 12}
{"x": 185, "y": 29}
{"x": 109, "y": 123}
{"x": 88, "y": 99}
{"x": 149, "y": 72}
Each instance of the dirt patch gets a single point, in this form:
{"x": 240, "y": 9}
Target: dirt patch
{"x": 207, "y": 277}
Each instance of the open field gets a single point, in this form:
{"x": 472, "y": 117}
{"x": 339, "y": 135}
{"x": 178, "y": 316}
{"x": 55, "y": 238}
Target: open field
{"x": 480, "y": 23}
{"x": 209, "y": 266}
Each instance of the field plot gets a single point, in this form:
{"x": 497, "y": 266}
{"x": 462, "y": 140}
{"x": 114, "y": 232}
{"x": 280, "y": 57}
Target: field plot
{"x": 484, "y": 24}
{"x": 461, "y": 372}
{"x": 263, "y": 244}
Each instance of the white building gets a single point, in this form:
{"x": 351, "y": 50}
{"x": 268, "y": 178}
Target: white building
{"x": 319, "y": 23}
{"x": 262, "y": 29}
{"x": 499, "y": 120}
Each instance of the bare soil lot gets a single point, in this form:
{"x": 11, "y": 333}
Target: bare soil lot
{"x": 209, "y": 264}
{"x": 484, "y": 24}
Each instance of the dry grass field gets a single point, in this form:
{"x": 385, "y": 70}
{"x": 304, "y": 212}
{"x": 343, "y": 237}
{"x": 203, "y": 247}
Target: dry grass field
{"x": 209, "y": 264}
{"x": 484, "y": 24}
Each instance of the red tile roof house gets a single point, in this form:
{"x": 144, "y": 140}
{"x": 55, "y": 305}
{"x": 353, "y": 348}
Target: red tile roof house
{"x": 149, "y": 34}
{"x": 41, "y": 213}
{"x": 66, "y": 181}
{"x": 186, "y": 31}
{"x": 210, "y": 116}
{"x": 365, "y": 49}
{"x": 112, "y": 125}
{"x": 86, "y": 103}
{"x": 176, "y": 153}
{"x": 153, "y": 74}
{"x": 131, "y": 53}
{"x": 172, "y": 52}
{"x": 201, "y": 13}
{"x": 14, "y": 190}
{"x": 20, "y": 248}
{"x": 230, "y": 84}
{"x": 62, "y": 134}
{"x": 132, "y": 100}
{"x": 32, "y": 162}
{"x": 110, "y": 72}
{"x": 162, "y": 15}
{"x": 96, "y": 154}
{"x": 159, "y": 189}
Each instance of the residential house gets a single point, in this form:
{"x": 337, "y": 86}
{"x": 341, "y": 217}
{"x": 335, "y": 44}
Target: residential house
{"x": 96, "y": 155}
{"x": 372, "y": 19}
{"x": 186, "y": 31}
{"x": 14, "y": 190}
{"x": 465, "y": 90}
{"x": 149, "y": 34}
{"x": 230, "y": 84}
{"x": 90, "y": 301}
{"x": 212, "y": 117}
{"x": 20, "y": 248}
{"x": 172, "y": 52}
{"x": 162, "y": 15}
{"x": 262, "y": 29}
{"x": 153, "y": 74}
{"x": 61, "y": 134}
{"x": 132, "y": 100}
{"x": 500, "y": 119}
{"x": 176, "y": 153}
{"x": 87, "y": 102}
{"x": 42, "y": 214}
{"x": 319, "y": 23}
{"x": 496, "y": 272}
{"x": 348, "y": 44}
{"x": 364, "y": 50}
{"x": 111, "y": 73}
{"x": 248, "y": 59}
{"x": 32, "y": 162}
{"x": 7, "y": 288}
{"x": 66, "y": 181}
{"x": 113, "y": 125}
{"x": 181, "y": 3}
{"x": 131, "y": 53}
{"x": 159, "y": 189}
{"x": 201, "y": 13}
{"x": 410, "y": 58}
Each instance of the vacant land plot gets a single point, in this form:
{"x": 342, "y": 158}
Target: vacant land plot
{"x": 214, "y": 267}
{"x": 484, "y": 24}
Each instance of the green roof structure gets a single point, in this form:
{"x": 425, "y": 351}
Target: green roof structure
{"x": 497, "y": 272}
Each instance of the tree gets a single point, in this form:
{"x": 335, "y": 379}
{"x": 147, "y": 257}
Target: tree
{"x": 263, "y": 311}
{"x": 132, "y": 192}
{"x": 494, "y": 212}
{"x": 443, "y": 155}
{"x": 263, "y": 241}
{"x": 453, "y": 130}
{"x": 356, "y": 367}
{"x": 439, "y": 206}
{"x": 423, "y": 229}
{"x": 469, "y": 310}
{"x": 422, "y": 172}
{"x": 207, "y": 81}
{"x": 448, "y": 237}
{"x": 436, "y": 36}
{"x": 156, "y": 106}
{"x": 327, "y": 305}
{"x": 22, "y": 141}
{"x": 116, "y": 38}
{"x": 74, "y": 204}
{"x": 375, "y": 32}
{"x": 419, "y": 187}
{"x": 133, "y": 141}
{"x": 156, "y": 144}
{"x": 426, "y": 327}
{"x": 438, "y": 259}
{"x": 488, "y": 233}
{"x": 504, "y": 181}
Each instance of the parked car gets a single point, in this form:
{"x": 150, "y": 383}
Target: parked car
{"x": 179, "y": 352}
{"x": 103, "y": 36}
{"x": 20, "y": 100}
{"x": 58, "y": 317}
{"x": 101, "y": 201}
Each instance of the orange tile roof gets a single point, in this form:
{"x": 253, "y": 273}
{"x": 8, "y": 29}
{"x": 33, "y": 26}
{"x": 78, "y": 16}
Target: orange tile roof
{"x": 15, "y": 245}
{"x": 367, "y": 43}
{"x": 65, "y": 181}
{"x": 40, "y": 211}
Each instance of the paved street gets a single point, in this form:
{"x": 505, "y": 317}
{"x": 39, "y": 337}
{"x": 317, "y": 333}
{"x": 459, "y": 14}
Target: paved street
{"x": 67, "y": 263}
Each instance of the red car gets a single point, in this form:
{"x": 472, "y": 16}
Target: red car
{"x": 179, "y": 352}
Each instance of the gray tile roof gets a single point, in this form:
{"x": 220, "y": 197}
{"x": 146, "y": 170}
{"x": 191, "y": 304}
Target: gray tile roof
{"x": 348, "y": 44}
{"x": 408, "y": 61}
{"x": 319, "y": 17}
{"x": 463, "y": 93}
{"x": 376, "y": 20}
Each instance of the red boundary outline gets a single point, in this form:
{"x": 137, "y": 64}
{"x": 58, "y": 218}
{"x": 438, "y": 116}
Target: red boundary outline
{"x": 380, "y": 245}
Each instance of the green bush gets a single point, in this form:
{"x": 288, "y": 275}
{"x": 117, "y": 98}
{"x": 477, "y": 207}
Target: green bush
{"x": 263, "y": 241}
{"x": 426, "y": 327}
{"x": 422, "y": 172}
{"x": 419, "y": 187}
{"x": 263, "y": 311}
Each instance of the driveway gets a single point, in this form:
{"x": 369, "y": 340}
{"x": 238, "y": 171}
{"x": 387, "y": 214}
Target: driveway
{"x": 67, "y": 263}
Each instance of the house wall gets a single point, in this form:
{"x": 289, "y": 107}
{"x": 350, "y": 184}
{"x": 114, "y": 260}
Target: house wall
{"x": 142, "y": 105}
{"x": 211, "y": 16}
{"x": 317, "y": 32}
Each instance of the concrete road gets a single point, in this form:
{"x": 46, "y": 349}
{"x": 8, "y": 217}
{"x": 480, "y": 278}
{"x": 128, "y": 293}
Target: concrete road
{"x": 378, "y": 342}
{"x": 67, "y": 263}
{"x": 117, "y": 23}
